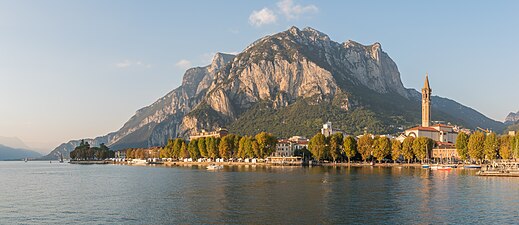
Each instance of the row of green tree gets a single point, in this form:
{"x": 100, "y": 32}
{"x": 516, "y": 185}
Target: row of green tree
{"x": 85, "y": 152}
{"x": 368, "y": 147}
{"x": 141, "y": 153}
{"x": 480, "y": 146}
{"x": 230, "y": 146}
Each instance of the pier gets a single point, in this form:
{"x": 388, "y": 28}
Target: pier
{"x": 500, "y": 169}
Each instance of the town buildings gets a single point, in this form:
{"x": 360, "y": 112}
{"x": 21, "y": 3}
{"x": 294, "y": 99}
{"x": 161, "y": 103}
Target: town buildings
{"x": 219, "y": 133}
{"x": 444, "y": 135}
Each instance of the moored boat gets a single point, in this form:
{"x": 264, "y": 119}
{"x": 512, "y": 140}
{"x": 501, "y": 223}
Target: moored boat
{"x": 139, "y": 162}
{"x": 472, "y": 166}
{"x": 440, "y": 167}
{"x": 214, "y": 167}
{"x": 426, "y": 166}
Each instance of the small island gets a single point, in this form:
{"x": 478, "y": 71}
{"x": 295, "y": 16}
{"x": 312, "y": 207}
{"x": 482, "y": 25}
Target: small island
{"x": 85, "y": 154}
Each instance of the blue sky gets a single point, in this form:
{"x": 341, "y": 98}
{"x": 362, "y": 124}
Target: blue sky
{"x": 75, "y": 69}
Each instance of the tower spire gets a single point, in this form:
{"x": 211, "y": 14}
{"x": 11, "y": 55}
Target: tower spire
{"x": 426, "y": 84}
{"x": 426, "y": 103}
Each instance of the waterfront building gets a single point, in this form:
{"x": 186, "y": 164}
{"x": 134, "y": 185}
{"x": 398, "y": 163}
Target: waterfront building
{"x": 219, "y": 133}
{"x": 292, "y": 160}
{"x": 440, "y": 133}
{"x": 284, "y": 148}
{"x": 445, "y": 152}
{"x": 287, "y": 147}
{"x": 299, "y": 142}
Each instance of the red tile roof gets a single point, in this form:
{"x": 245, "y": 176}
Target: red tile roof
{"x": 423, "y": 129}
{"x": 442, "y": 125}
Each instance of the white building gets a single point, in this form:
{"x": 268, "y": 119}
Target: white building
{"x": 327, "y": 130}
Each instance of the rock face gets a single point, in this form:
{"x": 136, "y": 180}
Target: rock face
{"x": 512, "y": 118}
{"x": 277, "y": 71}
{"x": 296, "y": 64}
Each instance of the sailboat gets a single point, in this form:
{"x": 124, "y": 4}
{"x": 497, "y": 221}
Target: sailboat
{"x": 61, "y": 158}
{"x": 426, "y": 166}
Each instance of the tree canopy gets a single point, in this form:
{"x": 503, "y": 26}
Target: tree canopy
{"x": 85, "y": 152}
{"x": 365, "y": 146}
{"x": 350, "y": 147}
{"x": 318, "y": 146}
{"x": 381, "y": 148}
{"x": 462, "y": 142}
{"x": 476, "y": 146}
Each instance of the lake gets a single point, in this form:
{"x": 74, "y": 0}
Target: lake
{"x": 62, "y": 193}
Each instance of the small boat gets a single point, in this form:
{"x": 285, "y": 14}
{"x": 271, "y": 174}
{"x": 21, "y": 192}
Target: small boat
{"x": 440, "y": 167}
{"x": 61, "y": 158}
{"x": 26, "y": 159}
{"x": 426, "y": 166}
{"x": 139, "y": 162}
{"x": 472, "y": 166}
{"x": 214, "y": 167}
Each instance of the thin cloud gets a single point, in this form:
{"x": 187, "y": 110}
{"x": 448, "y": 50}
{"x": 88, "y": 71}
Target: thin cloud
{"x": 183, "y": 64}
{"x": 294, "y": 11}
{"x": 262, "y": 17}
{"x": 286, "y": 8}
{"x": 123, "y": 64}
{"x": 129, "y": 63}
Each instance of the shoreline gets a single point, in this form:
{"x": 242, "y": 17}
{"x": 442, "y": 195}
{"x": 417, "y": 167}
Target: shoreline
{"x": 180, "y": 163}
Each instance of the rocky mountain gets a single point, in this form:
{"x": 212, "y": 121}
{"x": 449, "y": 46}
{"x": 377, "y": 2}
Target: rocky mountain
{"x": 512, "y": 118}
{"x": 9, "y": 153}
{"x": 288, "y": 83}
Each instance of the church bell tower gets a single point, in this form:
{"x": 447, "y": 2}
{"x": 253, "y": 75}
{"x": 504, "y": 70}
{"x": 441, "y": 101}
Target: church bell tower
{"x": 426, "y": 103}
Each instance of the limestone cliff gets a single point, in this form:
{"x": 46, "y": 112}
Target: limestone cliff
{"x": 292, "y": 75}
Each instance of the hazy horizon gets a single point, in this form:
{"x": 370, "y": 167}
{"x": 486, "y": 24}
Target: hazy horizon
{"x": 72, "y": 70}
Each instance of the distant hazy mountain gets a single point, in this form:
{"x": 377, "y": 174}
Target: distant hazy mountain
{"x": 8, "y": 153}
{"x": 512, "y": 118}
{"x": 13, "y": 142}
{"x": 288, "y": 83}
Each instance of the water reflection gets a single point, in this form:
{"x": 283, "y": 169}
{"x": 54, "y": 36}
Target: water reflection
{"x": 113, "y": 194}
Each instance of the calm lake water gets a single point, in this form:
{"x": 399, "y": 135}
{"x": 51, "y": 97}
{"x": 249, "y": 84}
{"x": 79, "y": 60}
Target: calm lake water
{"x": 40, "y": 192}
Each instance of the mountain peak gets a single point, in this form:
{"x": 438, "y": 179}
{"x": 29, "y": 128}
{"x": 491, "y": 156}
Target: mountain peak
{"x": 350, "y": 43}
{"x": 220, "y": 59}
{"x": 294, "y": 30}
{"x": 512, "y": 118}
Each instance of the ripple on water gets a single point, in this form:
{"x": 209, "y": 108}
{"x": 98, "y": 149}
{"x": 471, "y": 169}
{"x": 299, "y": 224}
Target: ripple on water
{"x": 38, "y": 192}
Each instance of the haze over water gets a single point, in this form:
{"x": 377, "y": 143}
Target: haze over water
{"x": 53, "y": 193}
